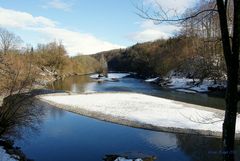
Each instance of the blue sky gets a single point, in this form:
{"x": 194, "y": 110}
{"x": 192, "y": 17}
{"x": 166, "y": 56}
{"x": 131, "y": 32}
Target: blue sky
{"x": 84, "y": 26}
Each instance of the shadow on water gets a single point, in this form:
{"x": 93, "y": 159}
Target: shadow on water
{"x": 27, "y": 118}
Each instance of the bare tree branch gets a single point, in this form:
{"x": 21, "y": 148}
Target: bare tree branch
{"x": 159, "y": 18}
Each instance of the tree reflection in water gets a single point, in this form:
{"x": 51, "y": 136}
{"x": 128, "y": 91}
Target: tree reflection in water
{"x": 204, "y": 148}
{"x": 74, "y": 84}
{"x": 28, "y": 119}
{"x": 198, "y": 148}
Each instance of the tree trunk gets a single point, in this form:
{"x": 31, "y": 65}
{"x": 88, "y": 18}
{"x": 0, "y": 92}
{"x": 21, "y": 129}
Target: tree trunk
{"x": 231, "y": 54}
{"x": 230, "y": 114}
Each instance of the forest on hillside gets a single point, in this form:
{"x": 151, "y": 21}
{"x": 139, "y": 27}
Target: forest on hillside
{"x": 194, "y": 52}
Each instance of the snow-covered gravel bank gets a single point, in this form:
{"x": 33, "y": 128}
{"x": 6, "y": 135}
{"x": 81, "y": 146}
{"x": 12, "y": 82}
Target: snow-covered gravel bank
{"x": 110, "y": 76}
{"x": 185, "y": 83}
{"x": 154, "y": 80}
{"x": 124, "y": 159}
{"x": 188, "y": 85}
{"x": 144, "y": 111}
{"x": 4, "y": 156}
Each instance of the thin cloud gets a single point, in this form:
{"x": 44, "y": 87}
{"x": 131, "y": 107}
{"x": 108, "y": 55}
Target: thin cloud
{"x": 148, "y": 35}
{"x": 16, "y": 19}
{"x": 75, "y": 42}
{"x": 59, "y": 4}
{"x": 178, "y": 6}
{"x": 150, "y": 32}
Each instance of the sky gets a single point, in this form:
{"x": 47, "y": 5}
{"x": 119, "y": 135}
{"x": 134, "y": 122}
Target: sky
{"x": 86, "y": 26}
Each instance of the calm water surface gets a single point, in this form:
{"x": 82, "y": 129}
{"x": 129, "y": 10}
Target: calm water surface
{"x": 63, "y": 136}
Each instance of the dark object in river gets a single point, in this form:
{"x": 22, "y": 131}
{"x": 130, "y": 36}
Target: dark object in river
{"x": 114, "y": 157}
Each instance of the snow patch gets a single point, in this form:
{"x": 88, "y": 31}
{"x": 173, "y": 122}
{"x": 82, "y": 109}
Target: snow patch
{"x": 147, "y": 110}
{"x": 184, "y": 84}
{"x": 4, "y": 156}
{"x": 111, "y": 75}
{"x": 179, "y": 83}
{"x": 152, "y": 79}
{"x": 124, "y": 159}
{"x": 186, "y": 91}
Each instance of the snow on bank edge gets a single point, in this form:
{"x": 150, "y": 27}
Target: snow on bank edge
{"x": 143, "y": 111}
{"x": 4, "y": 156}
{"x": 111, "y": 75}
{"x": 124, "y": 159}
{"x": 150, "y": 80}
{"x": 188, "y": 85}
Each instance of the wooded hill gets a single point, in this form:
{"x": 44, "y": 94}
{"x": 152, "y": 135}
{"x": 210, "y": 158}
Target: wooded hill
{"x": 159, "y": 58}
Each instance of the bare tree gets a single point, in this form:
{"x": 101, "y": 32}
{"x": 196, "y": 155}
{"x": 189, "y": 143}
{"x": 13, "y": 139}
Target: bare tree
{"x": 103, "y": 67}
{"x": 17, "y": 76}
{"x": 8, "y": 41}
{"x": 230, "y": 37}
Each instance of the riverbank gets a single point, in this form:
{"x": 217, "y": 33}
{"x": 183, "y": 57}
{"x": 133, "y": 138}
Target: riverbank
{"x": 10, "y": 153}
{"x": 187, "y": 85}
{"x": 50, "y": 77}
{"x": 4, "y": 156}
{"x": 144, "y": 111}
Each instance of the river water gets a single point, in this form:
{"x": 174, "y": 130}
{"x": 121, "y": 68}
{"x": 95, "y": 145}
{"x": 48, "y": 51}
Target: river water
{"x": 64, "y": 136}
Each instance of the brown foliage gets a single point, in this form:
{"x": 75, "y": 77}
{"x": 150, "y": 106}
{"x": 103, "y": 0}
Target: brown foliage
{"x": 17, "y": 73}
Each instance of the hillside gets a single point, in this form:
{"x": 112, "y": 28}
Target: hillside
{"x": 187, "y": 56}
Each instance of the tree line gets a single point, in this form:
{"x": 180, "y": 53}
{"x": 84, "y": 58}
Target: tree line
{"x": 23, "y": 68}
{"x": 188, "y": 55}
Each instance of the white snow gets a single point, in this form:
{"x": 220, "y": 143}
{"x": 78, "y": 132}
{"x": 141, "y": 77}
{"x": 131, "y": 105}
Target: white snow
{"x": 180, "y": 83}
{"x": 124, "y": 159}
{"x": 112, "y": 75}
{"x": 185, "y": 84}
{"x": 152, "y": 79}
{"x": 147, "y": 110}
{"x": 186, "y": 90}
{"x": 4, "y": 156}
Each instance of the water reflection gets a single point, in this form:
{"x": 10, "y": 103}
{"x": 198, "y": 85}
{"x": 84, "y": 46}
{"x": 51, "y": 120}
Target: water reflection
{"x": 74, "y": 84}
{"x": 162, "y": 141}
{"x": 197, "y": 148}
{"x": 84, "y": 84}
{"x": 203, "y": 148}
{"x": 28, "y": 118}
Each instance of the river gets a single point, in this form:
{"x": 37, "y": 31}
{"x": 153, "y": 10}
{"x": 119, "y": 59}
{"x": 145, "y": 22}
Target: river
{"x": 64, "y": 136}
